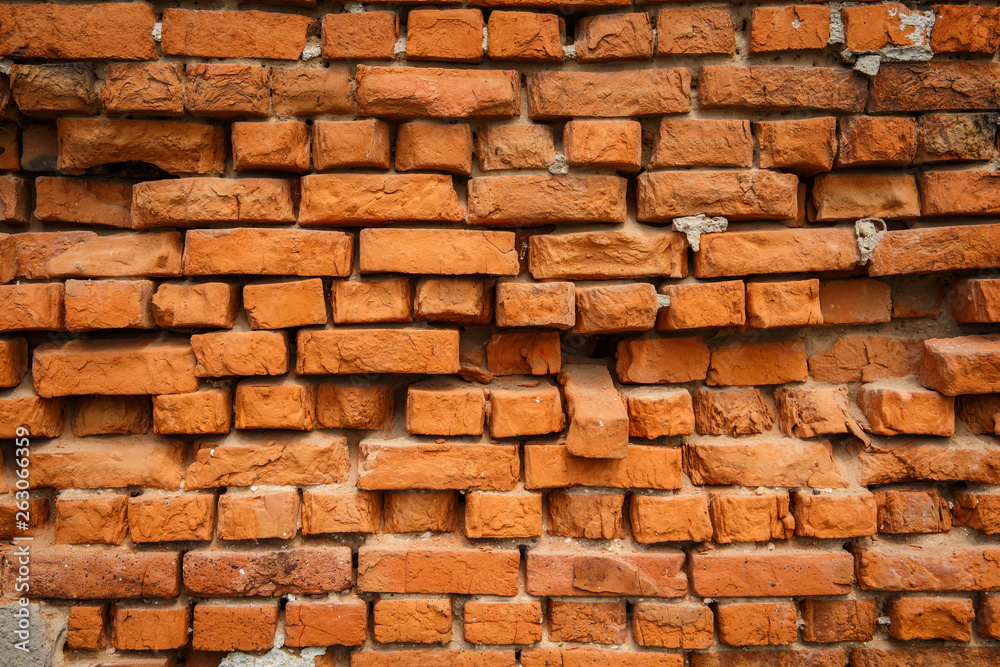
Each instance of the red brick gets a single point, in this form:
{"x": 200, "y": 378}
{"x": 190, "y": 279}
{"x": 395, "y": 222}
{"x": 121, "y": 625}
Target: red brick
{"x": 655, "y": 412}
{"x": 269, "y": 252}
{"x": 433, "y": 511}
{"x": 867, "y": 141}
{"x": 682, "y": 518}
{"x": 944, "y": 137}
{"x": 580, "y": 656}
{"x": 101, "y": 415}
{"x": 360, "y": 301}
{"x": 924, "y": 656}
{"x": 457, "y": 571}
{"x": 52, "y": 90}
{"x": 957, "y": 567}
{"x": 538, "y": 200}
{"x": 149, "y": 628}
{"x": 589, "y": 622}
{"x": 600, "y": 573}
{"x": 403, "y": 464}
{"x": 242, "y": 34}
{"x": 912, "y": 512}
{"x": 989, "y": 621}
{"x": 143, "y": 88}
{"x": 808, "y": 411}
{"x": 614, "y": 37}
{"x": 86, "y": 628}
{"x": 892, "y": 410}
{"x": 593, "y": 516}
{"x": 10, "y": 147}
{"x": 282, "y": 146}
{"x": 14, "y": 207}
{"x": 296, "y": 570}
{"x": 340, "y": 512}
{"x": 861, "y": 301}
{"x": 205, "y": 305}
{"x": 853, "y": 196}
{"x": 951, "y": 193}
{"x": 78, "y": 32}
{"x": 758, "y": 363}
{"x": 453, "y": 300}
{"x": 873, "y": 27}
{"x": 959, "y": 29}
{"x": 351, "y": 143}
{"x": 785, "y": 304}
{"x": 662, "y": 360}
{"x": 790, "y": 28}
{"x": 412, "y": 621}
{"x": 39, "y": 143}
{"x": 935, "y": 249}
{"x": 502, "y": 622}
{"x": 757, "y": 518}
{"x": 707, "y": 30}
{"x": 737, "y": 195}
{"x": 285, "y": 304}
{"x": 975, "y": 300}
{"x": 451, "y": 35}
{"x": 776, "y": 251}
{"x": 866, "y": 358}
{"x": 309, "y": 623}
{"x": 937, "y": 86}
{"x": 515, "y": 146}
{"x": 360, "y": 36}
{"x": 671, "y": 625}
{"x": 890, "y": 463}
{"x": 307, "y": 92}
{"x": 757, "y": 624}
{"x": 834, "y": 517}
{"x": 171, "y": 518}
{"x": 35, "y": 250}
{"x": 438, "y": 251}
{"x": 834, "y": 657}
{"x": 240, "y": 353}
{"x": 280, "y": 405}
{"x": 345, "y": 406}
{"x": 222, "y": 627}
{"x": 962, "y": 365}
{"x": 548, "y": 466}
{"x": 830, "y": 621}
{"x": 725, "y": 573}
{"x": 535, "y": 304}
{"x": 930, "y": 618}
{"x": 43, "y": 417}
{"x": 688, "y": 142}
{"x": 443, "y": 657}
{"x": 226, "y": 90}
{"x": 289, "y": 460}
{"x": 91, "y": 520}
{"x": 32, "y": 307}
{"x": 525, "y": 37}
{"x": 96, "y": 463}
{"x": 84, "y": 202}
{"x": 599, "y": 255}
{"x": 445, "y": 407}
{"x": 697, "y": 305}
{"x": 781, "y": 87}
{"x": 403, "y": 92}
{"x": 598, "y": 426}
{"x": 429, "y": 351}
{"x": 192, "y": 202}
{"x": 434, "y": 147}
{"x": 13, "y": 361}
{"x": 616, "y": 308}
{"x": 501, "y": 515}
{"x": 805, "y": 146}
{"x": 553, "y": 95}
{"x": 603, "y": 143}
{"x": 763, "y": 462}
{"x": 733, "y": 411}
{"x": 528, "y": 353}
{"x": 66, "y": 573}
{"x": 175, "y": 147}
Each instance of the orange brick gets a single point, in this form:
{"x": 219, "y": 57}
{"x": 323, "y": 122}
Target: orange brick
{"x": 805, "y": 146}
{"x": 288, "y": 461}
{"x": 739, "y": 518}
{"x": 647, "y": 92}
{"x": 664, "y": 195}
{"x": 52, "y": 90}
{"x": 496, "y": 515}
{"x": 830, "y": 621}
{"x": 616, "y": 144}
{"x": 782, "y": 87}
{"x": 892, "y": 410}
{"x": 976, "y": 300}
{"x": 197, "y": 413}
{"x": 484, "y": 571}
{"x": 32, "y": 307}
{"x": 366, "y": 301}
{"x": 912, "y": 512}
{"x": 340, "y": 512}
{"x": 143, "y": 88}
{"x": 525, "y": 37}
{"x": 692, "y": 306}
{"x": 270, "y": 252}
{"x": 867, "y": 141}
{"x": 350, "y": 143}
{"x": 655, "y": 412}
{"x": 308, "y": 92}
{"x": 536, "y": 305}
{"x": 100, "y": 415}
{"x": 455, "y": 300}
{"x": 597, "y": 255}
{"x": 774, "y": 463}
{"x": 282, "y": 146}
{"x": 412, "y": 621}
{"x": 614, "y": 37}
{"x": 794, "y": 28}
{"x": 662, "y": 360}
{"x": 531, "y": 353}
{"x": 731, "y": 411}
{"x": 757, "y": 624}
{"x": 589, "y": 622}
{"x": 528, "y": 200}
{"x": 502, "y": 622}
{"x": 171, "y": 518}
{"x": 670, "y": 518}
{"x": 776, "y": 251}
{"x": 226, "y": 90}
{"x": 451, "y": 35}
{"x": 109, "y": 304}
{"x": 243, "y": 34}
{"x": 149, "y": 628}
{"x": 92, "y": 520}
{"x": 257, "y": 516}
{"x": 69, "y": 573}
{"x": 725, "y": 573}
{"x": 694, "y": 31}
{"x": 684, "y": 142}
{"x": 280, "y": 405}
{"x": 873, "y": 27}
{"x": 593, "y": 516}
{"x": 437, "y": 92}
{"x": 959, "y": 29}
{"x": 400, "y": 464}
{"x": 73, "y": 32}
{"x": 434, "y": 147}
{"x": 945, "y": 137}
{"x": 585, "y": 655}
{"x": 592, "y": 572}
{"x": 861, "y": 301}
{"x": 598, "y": 419}
{"x": 240, "y": 353}
{"x": 219, "y": 627}
{"x": 433, "y": 511}
{"x": 808, "y": 411}
{"x": 758, "y": 363}
{"x": 87, "y": 626}
{"x": 445, "y": 407}
{"x": 204, "y": 305}
{"x": 360, "y": 36}
{"x": 910, "y": 87}
{"x": 785, "y": 304}
{"x": 286, "y": 304}
{"x": 345, "y": 406}
{"x": 550, "y": 465}
{"x": 305, "y": 571}
{"x": 342, "y": 623}
{"x": 670, "y": 625}
{"x": 930, "y": 618}
{"x": 515, "y": 146}
{"x": 834, "y": 517}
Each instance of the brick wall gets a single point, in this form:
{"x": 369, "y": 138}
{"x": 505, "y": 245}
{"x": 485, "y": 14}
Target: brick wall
{"x": 519, "y": 332}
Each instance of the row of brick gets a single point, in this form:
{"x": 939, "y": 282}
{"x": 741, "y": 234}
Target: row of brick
{"x": 429, "y": 621}
{"x": 471, "y": 570}
{"x": 690, "y": 517}
{"x": 462, "y": 35}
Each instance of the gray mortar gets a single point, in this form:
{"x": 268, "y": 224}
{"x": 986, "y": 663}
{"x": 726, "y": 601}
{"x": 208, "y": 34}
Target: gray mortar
{"x": 47, "y": 632}
{"x": 693, "y": 226}
{"x": 869, "y": 232}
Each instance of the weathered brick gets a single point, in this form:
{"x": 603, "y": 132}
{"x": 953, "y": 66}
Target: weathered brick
{"x": 91, "y": 520}
{"x": 433, "y": 511}
{"x": 654, "y": 412}
{"x": 682, "y": 518}
{"x": 377, "y": 351}
{"x": 889, "y": 463}
{"x": 758, "y": 363}
{"x": 861, "y": 301}
{"x": 707, "y": 30}
{"x": 553, "y": 95}
{"x": 976, "y": 300}
{"x": 297, "y": 570}
{"x": 688, "y": 142}
{"x": 500, "y": 515}
{"x": 874, "y": 27}
{"x": 834, "y": 516}
{"x": 176, "y": 148}
{"x": 783, "y": 304}
{"x": 289, "y": 460}
{"x": 980, "y": 511}
{"x": 960, "y": 193}
{"x": 736, "y": 195}
{"x": 697, "y": 305}
{"x": 43, "y": 417}
{"x": 671, "y": 625}
{"x": 607, "y": 255}
{"x": 99, "y": 573}
{"x": 781, "y": 87}
{"x": 539, "y": 200}
{"x": 52, "y": 90}
{"x": 104, "y": 415}
{"x": 790, "y": 28}
{"x": 239, "y": 353}
{"x": 309, "y": 623}
{"x": 548, "y": 466}
{"x": 962, "y": 365}
{"x": 403, "y": 92}
{"x": 891, "y": 410}
{"x": 171, "y": 518}
{"x": 243, "y": 34}
{"x": 912, "y": 512}
{"x": 867, "y": 141}
{"x": 282, "y": 146}
{"x": 536, "y": 304}
{"x": 275, "y": 404}
{"x": 725, "y": 573}
{"x": 830, "y": 621}
{"x": 448, "y": 657}
{"x": 204, "y": 305}
{"x": 959, "y": 29}
{"x": 586, "y": 655}
{"x": 757, "y": 624}
{"x": 731, "y": 411}
{"x": 412, "y": 621}
{"x": 95, "y": 463}
{"x": 445, "y": 407}
{"x": 451, "y": 35}
{"x": 351, "y": 143}
{"x": 955, "y": 567}
{"x": 345, "y": 406}
{"x": 930, "y": 618}
{"x": 757, "y": 518}
{"x": 286, "y": 304}
{"x": 776, "y": 251}
{"x": 220, "y": 627}
{"x": 78, "y": 32}
{"x": 600, "y": 573}
{"x": 853, "y": 196}
{"x": 603, "y": 143}
{"x": 805, "y": 146}
{"x": 525, "y": 37}
{"x": 311, "y": 91}
{"x": 924, "y": 656}
{"x": 461, "y": 571}
{"x": 502, "y": 622}
{"x": 616, "y": 308}
{"x": 434, "y": 147}
{"x": 589, "y": 622}
{"x": 340, "y": 512}
{"x": 193, "y": 202}
{"x": 662, "y": 360}
{"x": 455, "y": 300}
{"x": 438, "y": 251}
{"x": 866, "y": 358}
{"x": 32, "y": 307}
{"x": 226, "y": 90}
{"x": 404, "y": 464}
{"x": 808, "y": 411}
{"x": 614, "y": 37}
{"x": 13, "y": 361}
{"x": 299, "y": 252}
{"x": 359, "y": 35}
{"x": 258, "y": 515}
{"x": 764, "y": 462}
{"x": 515, "y": 146}
{"x": 589, "y": 515}
{"x": 937, "y": 86}
{"x": 143, "y": 88}
{"x": 86, "y": 628}
{"x": 148, "y": 627}
{"x": 935, "y": 249}
{"x": 945, "y": 137}
{"x": 85, "y": 202}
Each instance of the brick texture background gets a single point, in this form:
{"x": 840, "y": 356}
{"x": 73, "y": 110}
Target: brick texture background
{"x": 397, "y": 335}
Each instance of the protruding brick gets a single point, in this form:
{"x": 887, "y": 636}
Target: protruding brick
{"x": 461, "y": 571}
{"x": 538, "y": 200}
{"x": 763, "y": 463}
{"x": 528, "y": 353}
{"x": 515, "y": 146}
{"x": 944, "y": 86}
{"x": 671, "y": 625}
{"x": 600, "y": 573}
{"x": 525, "y": 37}
{"x": 340, "y": 512}
{"x": 32, "y": 307}
{"x": 959, "y": 29}
{"x": 175, "y": 147}
{"x": 608, "y": 255}
{"x": 776, "y": 251}
{"x": 959, "y": 193}
{"x": 536, "y": 305}
{"x": 736, "y": 195}
{"x": 91, "y": 520}
{"x": 359, "y": 35}
{"x": 808, "y": 411}
{"x": 592, "y": 516}
{"x": 697, "y": 305}
{"x": 687, "y": 142}
{"x": 978, "y": 510}
{"x": 13, "y": 361}
{"x": 96, "y": 463}
{"x": 989, "y": 616}
{"x": 434, "y": 147}
{"x": 78, "y": 32}
{"x": 312, "y": 91}
{"x": 226, "y": 90}
{"x": 757, "y": 518}
{"x": 310, "y": 623}
{"x": 258, "y": 515}
{"x": 295, "y": 570}
{"x": 346, "y": 406}
{"x": 975, "y": 300}
{"x": 586, "y": 655}
{"x": 614, "y": 37}
{"x": 282, "y": 146}
{"x": 220, "y": 627}
{"x": 930, "y": 618}
{"x": 831, "y": 621}
{"x": 43, "y": 417}
{"x": 548, "y": 466}
{"x": 438, "y": 251}
{"x": 119, "y": 255}
{"x": 171, "y": 518}
{"x": 445, "y": 407}
{"x": 655, "y": 412}
{"x": 405, "y": 92}
{"x": 912, "y": 512}
{"x": 240, "y": 353}
{"x": 805, "y": 146}
{"x": 598, "y": 426}
{"x": 455, "y": 300}
{"x": 874, "y": 27}
{"x": 670, "y": 518}
{"x": 963, "y": 365}
{"x": 200, "y": 306}
{"x": 616, "y": 308}
{"x": 451, "y": 35}
{"x": 726, "y": 573}
{"x": 646, "y": 92}
{"x": 433, "y": 511}
{"x": 946, "y": 137}
{"x": 951, "y": 656}
{"x": 270, "y": 252}
{"x": 109, "y": 304}
{"x": 243, "y": 34}
{"x": 834, "y": 517}
{"x": 143, "y": 88}
{"x": 758, "y": 363}
{"x": 367, "y": 301}
{"x": 891, "y": 410}
{"x": 867, "y": 141}
{"x": 790, "y": 28}
{"x": 502, "y": 622}
{"x": 286, "y": 461}
{"x": 52, "y": 90}
{"x": 405, "y": 464}
{"x": 785, "y": 304}
{"x": 500, "y": 515}
{"x": 149, "y": 628}
{"x": 338, "y": 144}
{"x": 279, "y": 405}
{"x": 662, "y": 360}
{"x": 603, "y": 143}
{"x": 775, "y": 87}
{"x": 286, "y": 304}
{"x": 694, "y": 31}
{"x": 732, "y": 411}
{"x": 935, "y": 249}
{"x": 880, "y": 463}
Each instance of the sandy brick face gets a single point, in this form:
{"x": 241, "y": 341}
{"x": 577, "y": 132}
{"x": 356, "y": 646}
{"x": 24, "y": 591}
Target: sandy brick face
{"x": 501, "y": 333}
